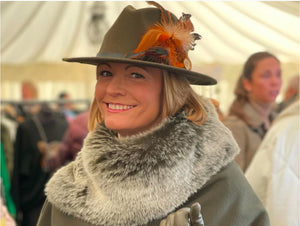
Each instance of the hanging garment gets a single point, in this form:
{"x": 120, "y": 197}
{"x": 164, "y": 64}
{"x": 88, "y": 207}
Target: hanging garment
{"x": 29, "y": 178}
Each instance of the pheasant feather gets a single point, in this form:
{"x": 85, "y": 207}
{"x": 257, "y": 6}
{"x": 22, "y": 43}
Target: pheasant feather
{"x": 175, "y": 37}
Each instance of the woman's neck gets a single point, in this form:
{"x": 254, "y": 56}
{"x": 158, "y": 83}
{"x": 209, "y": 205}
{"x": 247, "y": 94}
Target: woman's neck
{"x": 263, "y": 110}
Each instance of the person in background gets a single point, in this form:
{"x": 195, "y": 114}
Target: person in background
{"x": 274, "y": 170}
{"x": 72, "y": 141}
{"x": 19, "y": 112}
{"x": 154, "y": 146}
{"x": 219, "y": 111}
{"x": 291, "y": 93}
{"x": 251, "y": 112}
{"x": 8, "y": 147}
{"x": 5, "y": 217}
{"x": 6, "y": 199}
{"x": 66, "y": 108}
{"x": 34, "y": 138}
{"x": 29, "y": 91}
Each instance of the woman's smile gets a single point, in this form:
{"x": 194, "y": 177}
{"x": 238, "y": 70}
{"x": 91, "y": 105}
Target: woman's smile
{"x": 115, "y": 108}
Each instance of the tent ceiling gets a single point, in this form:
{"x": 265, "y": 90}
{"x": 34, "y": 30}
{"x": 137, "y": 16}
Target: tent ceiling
{"x": 42, "y": 31}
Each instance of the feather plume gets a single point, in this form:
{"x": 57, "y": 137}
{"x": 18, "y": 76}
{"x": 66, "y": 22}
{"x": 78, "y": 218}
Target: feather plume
{"x": 175, "y": 37}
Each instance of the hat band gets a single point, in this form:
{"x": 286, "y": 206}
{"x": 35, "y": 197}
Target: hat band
{"x": 154, "y": 54}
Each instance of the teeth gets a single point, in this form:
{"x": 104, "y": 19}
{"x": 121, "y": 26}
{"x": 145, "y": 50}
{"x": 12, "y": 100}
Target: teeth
{"x": 119, "y": 107}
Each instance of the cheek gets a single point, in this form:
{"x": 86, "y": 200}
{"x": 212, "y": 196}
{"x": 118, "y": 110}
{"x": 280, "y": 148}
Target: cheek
{"x": 156, "y": 102}
{"x": 151, "y": 100}
{"x": 99, "y": 95}
{"x": 260, "y": 86}
{"x": 99, "y": 92}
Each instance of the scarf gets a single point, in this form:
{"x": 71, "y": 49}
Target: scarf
{"x": 134, "y": 180}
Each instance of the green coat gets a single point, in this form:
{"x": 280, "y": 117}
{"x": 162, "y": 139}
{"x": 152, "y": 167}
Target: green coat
{"x": 141, "y": 179}
{"x": 226, "y": 198}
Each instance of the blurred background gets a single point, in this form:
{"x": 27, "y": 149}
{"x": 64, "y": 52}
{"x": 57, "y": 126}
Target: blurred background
{"x": 36, "y": 35}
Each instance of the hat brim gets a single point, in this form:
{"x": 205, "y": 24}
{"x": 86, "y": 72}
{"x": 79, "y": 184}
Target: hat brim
{"x": 193, "y": 77}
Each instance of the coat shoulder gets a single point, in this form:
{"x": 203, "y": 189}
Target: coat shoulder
{"x": 51, "y": 216}
{"x": 227, "y": 197}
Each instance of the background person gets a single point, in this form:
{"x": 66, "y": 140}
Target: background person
{"x": 291, "y": 93}
{"x": 72, "y": 141}
{"x": 67, "y": 109}
{"x": 251, "y": 112}
{"x": 274, "y": 171}
{"x": 33, "y": 140}
{"x": 29, "y": 90}
{"x": 154, "y": 145}
{"x": 19, "y": 112}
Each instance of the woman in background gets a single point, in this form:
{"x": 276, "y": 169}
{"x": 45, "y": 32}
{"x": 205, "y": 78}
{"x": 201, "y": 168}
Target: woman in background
{"x": 251, "y": 113}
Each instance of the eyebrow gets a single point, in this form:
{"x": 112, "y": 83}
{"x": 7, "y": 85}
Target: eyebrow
{"x": 135, "y": 65}
{"x": 127, "y": 67}
{"x": 103, "y": 64}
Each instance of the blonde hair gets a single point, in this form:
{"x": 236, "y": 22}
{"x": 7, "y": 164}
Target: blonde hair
{"x": 177, "y": 94}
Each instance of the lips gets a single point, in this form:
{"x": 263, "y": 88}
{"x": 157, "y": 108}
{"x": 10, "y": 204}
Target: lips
{"x": 274, "y": 93}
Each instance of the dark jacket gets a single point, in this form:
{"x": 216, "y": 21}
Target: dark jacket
{"x": 29, "y": 179}
{"x": 141, "y": 179}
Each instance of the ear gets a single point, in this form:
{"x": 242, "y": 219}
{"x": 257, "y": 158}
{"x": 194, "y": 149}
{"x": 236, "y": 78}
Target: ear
{"x": 247, "y": 85}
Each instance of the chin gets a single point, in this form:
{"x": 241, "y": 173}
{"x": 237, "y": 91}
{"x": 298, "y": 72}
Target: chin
{"x": 114, "y": 126}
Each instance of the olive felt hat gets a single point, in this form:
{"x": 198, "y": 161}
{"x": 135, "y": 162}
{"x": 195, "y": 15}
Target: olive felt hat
{"x": 150, "y": 37}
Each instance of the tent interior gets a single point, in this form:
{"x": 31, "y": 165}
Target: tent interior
{"x": 36, "y": 35}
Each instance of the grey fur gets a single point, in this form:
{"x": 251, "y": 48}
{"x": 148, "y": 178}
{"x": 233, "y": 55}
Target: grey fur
{"x": 135, "y": 180}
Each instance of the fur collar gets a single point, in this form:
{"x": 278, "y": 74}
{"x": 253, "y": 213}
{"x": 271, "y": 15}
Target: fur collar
{"x": 135, "y": 180}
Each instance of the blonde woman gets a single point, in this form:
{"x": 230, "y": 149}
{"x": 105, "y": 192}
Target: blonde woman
{"x": 154, "y": 145}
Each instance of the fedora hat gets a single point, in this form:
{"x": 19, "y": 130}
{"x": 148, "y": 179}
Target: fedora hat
{"x": 151, "y": 37}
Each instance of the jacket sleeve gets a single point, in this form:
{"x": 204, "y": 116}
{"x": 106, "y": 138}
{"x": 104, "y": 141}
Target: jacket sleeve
{"x": 228, "y": 200}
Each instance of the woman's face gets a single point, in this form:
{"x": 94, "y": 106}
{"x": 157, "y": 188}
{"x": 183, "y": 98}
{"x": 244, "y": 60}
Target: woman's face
{"x": 265, "y": 81}
{"x": 129, "y": 97}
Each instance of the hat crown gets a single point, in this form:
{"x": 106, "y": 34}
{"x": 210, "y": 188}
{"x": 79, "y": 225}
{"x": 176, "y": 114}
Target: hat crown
{"x": 126, "y": 33}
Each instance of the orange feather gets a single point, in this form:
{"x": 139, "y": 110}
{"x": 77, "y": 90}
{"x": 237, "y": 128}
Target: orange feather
{"x": 175, "y": 38}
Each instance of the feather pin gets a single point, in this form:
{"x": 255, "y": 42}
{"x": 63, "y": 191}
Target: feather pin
{"x": 175, "y": 38}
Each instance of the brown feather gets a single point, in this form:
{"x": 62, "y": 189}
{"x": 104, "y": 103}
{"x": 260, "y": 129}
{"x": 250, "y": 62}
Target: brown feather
{"x": 175, "y": 38}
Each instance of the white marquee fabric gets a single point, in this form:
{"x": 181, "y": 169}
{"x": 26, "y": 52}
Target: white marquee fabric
{"x": 36, "y": 35}
{"x": 44, "y": 31}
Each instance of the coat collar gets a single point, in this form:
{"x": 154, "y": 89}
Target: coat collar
{"x": 254, "y": 119}
{"x": 135, "y": 180}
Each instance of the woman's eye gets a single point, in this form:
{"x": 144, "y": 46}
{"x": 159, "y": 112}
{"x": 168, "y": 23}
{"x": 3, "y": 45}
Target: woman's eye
{"x": 278, "y": 75}
{"x": 137, "y": 75}
{"x": 104, "y": 74}
{"x": 266, "y": 75}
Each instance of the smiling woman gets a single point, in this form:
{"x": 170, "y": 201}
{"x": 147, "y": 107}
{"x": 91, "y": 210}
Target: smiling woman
{"x": 129, "y": 97}
{"x": 154, "y": 145}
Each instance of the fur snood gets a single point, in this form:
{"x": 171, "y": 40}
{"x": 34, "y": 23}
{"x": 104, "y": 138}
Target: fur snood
{"x": 138, "y": 179}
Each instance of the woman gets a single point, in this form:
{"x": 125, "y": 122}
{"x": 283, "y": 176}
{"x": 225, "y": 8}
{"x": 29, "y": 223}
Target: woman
{"x": 251, "y": 113}
{"x": 154, "y": 145}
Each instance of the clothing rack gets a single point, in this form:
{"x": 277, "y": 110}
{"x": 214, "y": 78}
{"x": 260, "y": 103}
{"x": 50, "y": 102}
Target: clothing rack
{"x": 26, "y": 108}
{"x": 32, "y": 102}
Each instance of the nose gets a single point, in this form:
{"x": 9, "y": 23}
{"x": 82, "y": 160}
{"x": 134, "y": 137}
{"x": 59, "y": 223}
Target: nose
{"x": 116, "y": 86}
{"x": 276, "y": 80}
